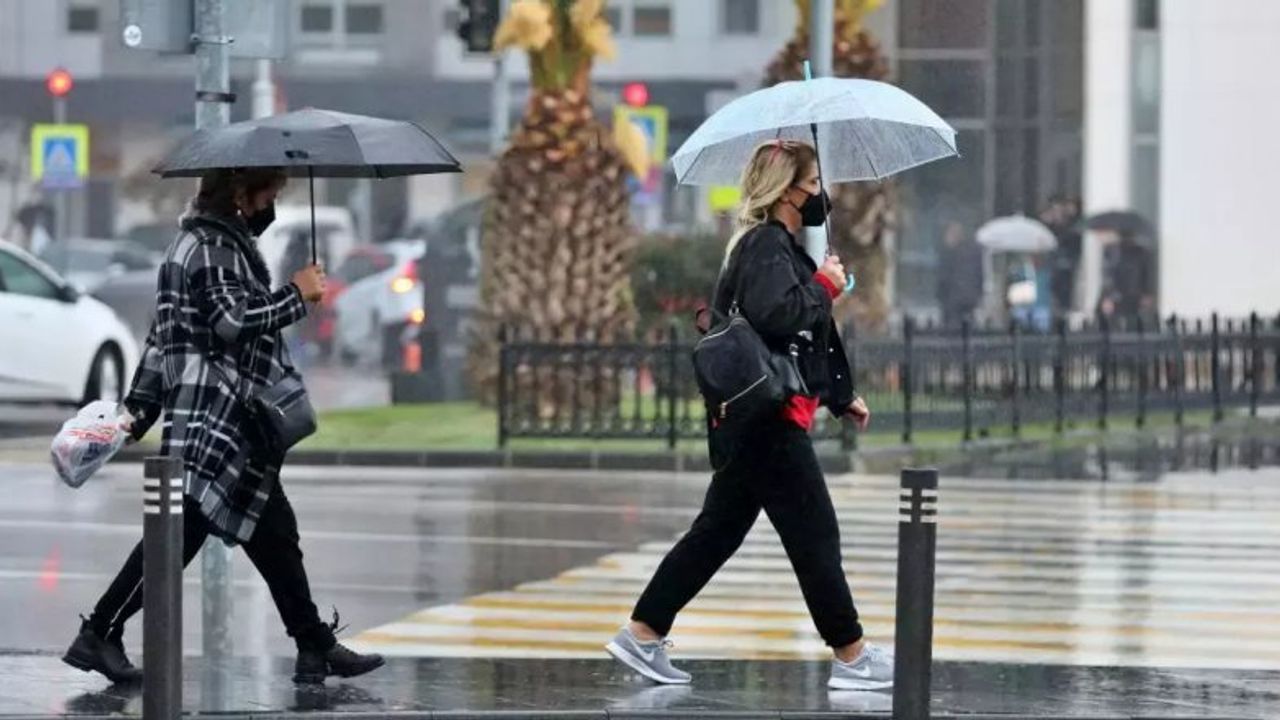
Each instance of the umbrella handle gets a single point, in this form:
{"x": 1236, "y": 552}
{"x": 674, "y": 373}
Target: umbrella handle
{"x": 822, "y": 186}
{"x": 311, "y": 182}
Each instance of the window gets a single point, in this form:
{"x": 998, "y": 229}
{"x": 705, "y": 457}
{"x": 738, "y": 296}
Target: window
{"x": 740, "y": 17}
{"x": 82, "y": 19}
{"x": 364, "y": 19}
{"x": 651, "y": 20}
{"x": 943, "y": 24}
{"x": 19, "y": 278}
{"x": 317, "y": 18}
{"x": 953, "y": 88}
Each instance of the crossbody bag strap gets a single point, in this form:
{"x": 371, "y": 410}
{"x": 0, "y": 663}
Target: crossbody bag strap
{"x": 225, "y": 379}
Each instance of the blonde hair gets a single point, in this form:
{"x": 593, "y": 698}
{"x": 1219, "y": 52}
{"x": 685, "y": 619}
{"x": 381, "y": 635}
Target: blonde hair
{"x": 774, "y": 168}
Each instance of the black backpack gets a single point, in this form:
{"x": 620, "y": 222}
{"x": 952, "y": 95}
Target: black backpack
{"x": 740, "y": 377}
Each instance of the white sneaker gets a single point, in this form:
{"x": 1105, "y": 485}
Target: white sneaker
{"x": 647, "y": 658}
{"x": 873, "y": 670}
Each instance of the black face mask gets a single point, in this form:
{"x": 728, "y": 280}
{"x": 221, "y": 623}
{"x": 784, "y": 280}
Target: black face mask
{"x": 261, "y": 220}
{"x": 813, "y": 213}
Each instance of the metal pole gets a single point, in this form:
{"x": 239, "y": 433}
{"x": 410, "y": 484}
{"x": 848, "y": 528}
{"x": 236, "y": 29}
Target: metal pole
{"x": 1255, "y": 365}
{"x": 500, "y": 100}
{"x": 1015, "y": 366}
{"x": 913, "y": 635}
{"x": 849, "y": 438}
{"x": 213, "y": 109}
{"x": 1215, "y": 369}
{"x": 673, "y": 389}
{"x": 908, "y": 330}
{"x": 503, "y": 400}
{"x": 1060, "y": 379}
{"x": 61, "y": 207}
{"x": 162, "y": 580}
{"x": 264, "y": 91}
{"x": 1142, "y": 367}
{"x": 966, "y": 347}
{"x": 822, "y": 23}
{"x": 1104, "y": 381}
{"x": 1179, "y": 370}
{"x": 822, "y": 28}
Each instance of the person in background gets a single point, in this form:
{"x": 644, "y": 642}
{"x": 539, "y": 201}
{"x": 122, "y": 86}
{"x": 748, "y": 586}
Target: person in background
{"x": 1063, "y": 218}
{"x": 960, "y": 275}
{"x": 1128, "y": 288}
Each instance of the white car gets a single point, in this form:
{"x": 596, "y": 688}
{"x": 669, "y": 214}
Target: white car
{"x": 286, "y": 244}
{"x": 56, "y": 344}
{"x": 87, "y": 263}
{"x": 381, "y": 306}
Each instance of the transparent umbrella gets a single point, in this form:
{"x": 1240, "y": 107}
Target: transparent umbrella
{"x": 863, "y": 129}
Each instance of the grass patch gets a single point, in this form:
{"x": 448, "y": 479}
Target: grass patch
{"x": 468, "y": 426}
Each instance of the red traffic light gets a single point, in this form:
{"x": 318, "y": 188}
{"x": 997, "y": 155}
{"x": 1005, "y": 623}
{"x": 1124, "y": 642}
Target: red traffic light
{"x": 59, "y": 83}
{"x": 635, "y": 94}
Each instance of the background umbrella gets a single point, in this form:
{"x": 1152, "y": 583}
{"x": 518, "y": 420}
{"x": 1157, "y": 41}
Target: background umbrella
{"x": 1123, "y": 222}
{"x": 312, "y": 142}
{"x": 1016, "y": 233}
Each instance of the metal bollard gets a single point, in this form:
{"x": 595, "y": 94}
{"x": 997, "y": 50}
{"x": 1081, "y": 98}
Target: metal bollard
{"x": 162, "y": 587}
{"x": 917, "y": 548}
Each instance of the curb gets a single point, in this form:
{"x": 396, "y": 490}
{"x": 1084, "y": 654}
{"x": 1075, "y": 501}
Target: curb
{"x": 832, "y": 463}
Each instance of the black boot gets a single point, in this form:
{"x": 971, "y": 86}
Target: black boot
{"x": 314, "y": 665}
{"x": 93, "y": 652}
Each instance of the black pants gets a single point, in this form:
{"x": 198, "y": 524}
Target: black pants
{"x": 778, "y": 471}
{"x": 274, "y": 551}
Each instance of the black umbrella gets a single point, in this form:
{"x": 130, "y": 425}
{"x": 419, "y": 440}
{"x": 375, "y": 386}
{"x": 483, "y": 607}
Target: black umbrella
{"x": 311, "y": 142}
{"x": 1123, "y": 222}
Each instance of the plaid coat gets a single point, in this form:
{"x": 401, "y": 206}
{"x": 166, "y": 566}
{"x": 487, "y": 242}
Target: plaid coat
{"x": 214, "y": 303}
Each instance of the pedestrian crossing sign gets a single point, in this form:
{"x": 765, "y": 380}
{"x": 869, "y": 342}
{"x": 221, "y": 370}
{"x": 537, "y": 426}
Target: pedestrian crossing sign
{"x": 60, "y": 155}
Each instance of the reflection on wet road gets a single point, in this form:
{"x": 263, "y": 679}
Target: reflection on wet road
{"x": 1075, "y": 572}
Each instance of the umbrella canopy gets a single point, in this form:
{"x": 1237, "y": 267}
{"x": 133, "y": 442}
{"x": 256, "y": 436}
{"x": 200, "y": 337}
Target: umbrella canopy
{"x": 314, "y": 142}
{"x": 1016, "y": 234}
{"x": 866, "y": 130}
{"x": 1123, "y": 222}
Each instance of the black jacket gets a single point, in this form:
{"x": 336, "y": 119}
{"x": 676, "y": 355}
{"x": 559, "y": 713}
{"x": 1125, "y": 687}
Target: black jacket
{"x": 772, "y": 278}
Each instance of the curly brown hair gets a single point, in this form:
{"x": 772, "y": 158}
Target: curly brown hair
{"x": 219, "y": 188}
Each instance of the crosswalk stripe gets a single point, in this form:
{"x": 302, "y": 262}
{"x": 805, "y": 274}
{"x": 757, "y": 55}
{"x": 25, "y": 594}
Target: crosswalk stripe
{"x": 1175, "y": 573}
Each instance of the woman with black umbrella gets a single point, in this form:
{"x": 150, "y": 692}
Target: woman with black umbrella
{"x": 215, "y": 341}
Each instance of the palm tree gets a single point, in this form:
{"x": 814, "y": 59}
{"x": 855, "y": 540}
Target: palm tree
{"x": 557, "y": 236}
{"x": 863, "y": 214}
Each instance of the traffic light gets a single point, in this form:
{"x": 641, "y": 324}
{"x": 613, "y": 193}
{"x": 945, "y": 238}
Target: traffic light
{"x": 635, "y": 94}
{"x": 477, "y": 23}
{"x": 59, "y": 83}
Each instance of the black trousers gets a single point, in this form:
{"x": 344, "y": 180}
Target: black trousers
{"x": 274, "y": 551}
{"x": 775, "y": 469}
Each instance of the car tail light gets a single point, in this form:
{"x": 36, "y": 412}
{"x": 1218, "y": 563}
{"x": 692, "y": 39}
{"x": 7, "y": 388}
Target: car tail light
{"x": 407, "y": 280}
{"x": 411, "y": 358}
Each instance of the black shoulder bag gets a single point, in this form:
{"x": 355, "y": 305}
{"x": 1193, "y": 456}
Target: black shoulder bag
{"x": 279, "y": 415}
{"x": 741, "y": 378}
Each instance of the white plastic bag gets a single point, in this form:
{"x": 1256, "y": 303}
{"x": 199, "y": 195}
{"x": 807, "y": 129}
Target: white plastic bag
{"x": 87, "y": 441}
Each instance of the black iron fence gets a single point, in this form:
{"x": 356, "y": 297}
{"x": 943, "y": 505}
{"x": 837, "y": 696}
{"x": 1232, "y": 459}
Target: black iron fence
{"x": 971, "y": 381}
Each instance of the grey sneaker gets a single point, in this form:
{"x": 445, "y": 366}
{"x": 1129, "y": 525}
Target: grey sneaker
{"x": 873, "y": 670}
{"x": 647, "y": 658}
